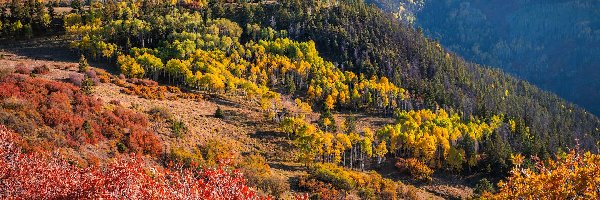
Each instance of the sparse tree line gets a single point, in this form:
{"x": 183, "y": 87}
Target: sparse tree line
{"x": 435, "y": 138}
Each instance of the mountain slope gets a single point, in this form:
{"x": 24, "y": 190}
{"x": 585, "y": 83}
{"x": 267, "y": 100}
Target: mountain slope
{"x": 552, "y": 44}
{"x": 327, "y": 99}
{"x": 364, "y": 39}
{"x": 244, "y": 134}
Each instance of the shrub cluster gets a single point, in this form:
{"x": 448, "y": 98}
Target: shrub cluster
{"x": 259, "y": 176}
{"x": 329, "y": 181}
{"x": 42, "y": 69}
{"x": 22, "y": 69}
{"x": 146, "y": 92}
{"x": 149, "y": 89}
{"x": 415, "y": 168}
{"x": 33, "y": 176}
{"x": 64, "y": 116}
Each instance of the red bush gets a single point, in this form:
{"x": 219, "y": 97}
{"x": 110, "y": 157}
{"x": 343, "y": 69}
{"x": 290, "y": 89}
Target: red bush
{"x": 319, "y": 190}
{"x": 146, "y": 92}
{"x": 40, "y": 176}
{"x": 22, "y": 69}
{"x": 43, "y": 69}
{"x": 144, "y": 82}
{"x": 76, "y": 117}
{"x": 115, "y": 102}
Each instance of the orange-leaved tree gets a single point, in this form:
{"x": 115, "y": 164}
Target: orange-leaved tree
{"x": 572, "y": 176}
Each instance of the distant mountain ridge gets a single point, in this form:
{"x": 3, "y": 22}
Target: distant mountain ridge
{"x": 553, "y": 44}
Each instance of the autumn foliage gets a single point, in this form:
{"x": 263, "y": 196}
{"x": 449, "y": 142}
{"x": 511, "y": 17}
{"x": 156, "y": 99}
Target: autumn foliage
{"x": 43, "y": 176}
{"x": 149, "y": 89}
{"x": 42, "y": 69}
{"x": 66, "y": 117}
{"x": 329, "y": 181}
{"x": 415, "y": 168}
{"x": 571, "y": 176}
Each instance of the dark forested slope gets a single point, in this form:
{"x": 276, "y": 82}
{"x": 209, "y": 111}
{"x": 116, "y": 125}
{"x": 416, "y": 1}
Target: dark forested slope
{"x": 364, "y": 39}
{"x": 553, "y": 44}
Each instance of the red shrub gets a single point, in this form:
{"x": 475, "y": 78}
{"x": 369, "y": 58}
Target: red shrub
{"x": 43, "y": 69}
{"x": 120, "y": 82}
{"x": 141, "y": 141}
{"x": 103, "y": 75}
{"x": 146, "y": 92}
{"x": 37, "y": 176}
{"x": 318, "y": 189}
{"x": 191, "y": 96}
{"x": 22, "y": 69}
{"x": 144, "y": 82}
{"x": 75, "y": 117}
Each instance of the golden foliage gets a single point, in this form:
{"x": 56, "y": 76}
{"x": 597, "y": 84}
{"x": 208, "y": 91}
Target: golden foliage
{"x": 573, "y": 176}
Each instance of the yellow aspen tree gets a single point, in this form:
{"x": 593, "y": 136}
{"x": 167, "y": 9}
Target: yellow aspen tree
{"x": 381, "y": 150}
{"x": 129, "y": 67}
{"x": 329, "y": 101}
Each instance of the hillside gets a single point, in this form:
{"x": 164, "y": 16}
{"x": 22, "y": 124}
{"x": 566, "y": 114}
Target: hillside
{"x": 364, "y": 39}
{"x": 242, "y": 133}
{"x": 273, "y": 99}
{"x": 552, "y": 44}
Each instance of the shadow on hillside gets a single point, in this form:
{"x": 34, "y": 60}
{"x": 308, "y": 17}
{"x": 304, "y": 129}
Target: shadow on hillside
{"x": 440, "y": 178}
{"x": 51, "y": 48}
{"x": 286, "y": 167}
{"x": 274, "y": 137}
{"x": 279, "y": 147}
{"x": 225, "y": 102}
{"x": 267, "y": 134}
{"x": 47, "y": 48}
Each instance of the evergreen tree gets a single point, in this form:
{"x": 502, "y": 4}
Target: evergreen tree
{"x": 83, "y": 64}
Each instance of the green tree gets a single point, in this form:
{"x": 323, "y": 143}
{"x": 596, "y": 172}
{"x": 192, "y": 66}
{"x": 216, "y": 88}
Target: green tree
{"x": 350, "y": 125}
{"x": 456, "y": 159}
{"x": 152, "y": 64}
{"x": 51, "y": 11}
{"x": 129, "y": 67}
{"x": 27, "y": 31}
{"x": 76, "y": 6}
{"x": 219, "y": 113}
{"x": 87, "y": 85}
{"x": 327, "y": 121}
{"x": 498, "y": 153}
{"x": 83, "y": 64}
{"x": 484, "y": 186}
